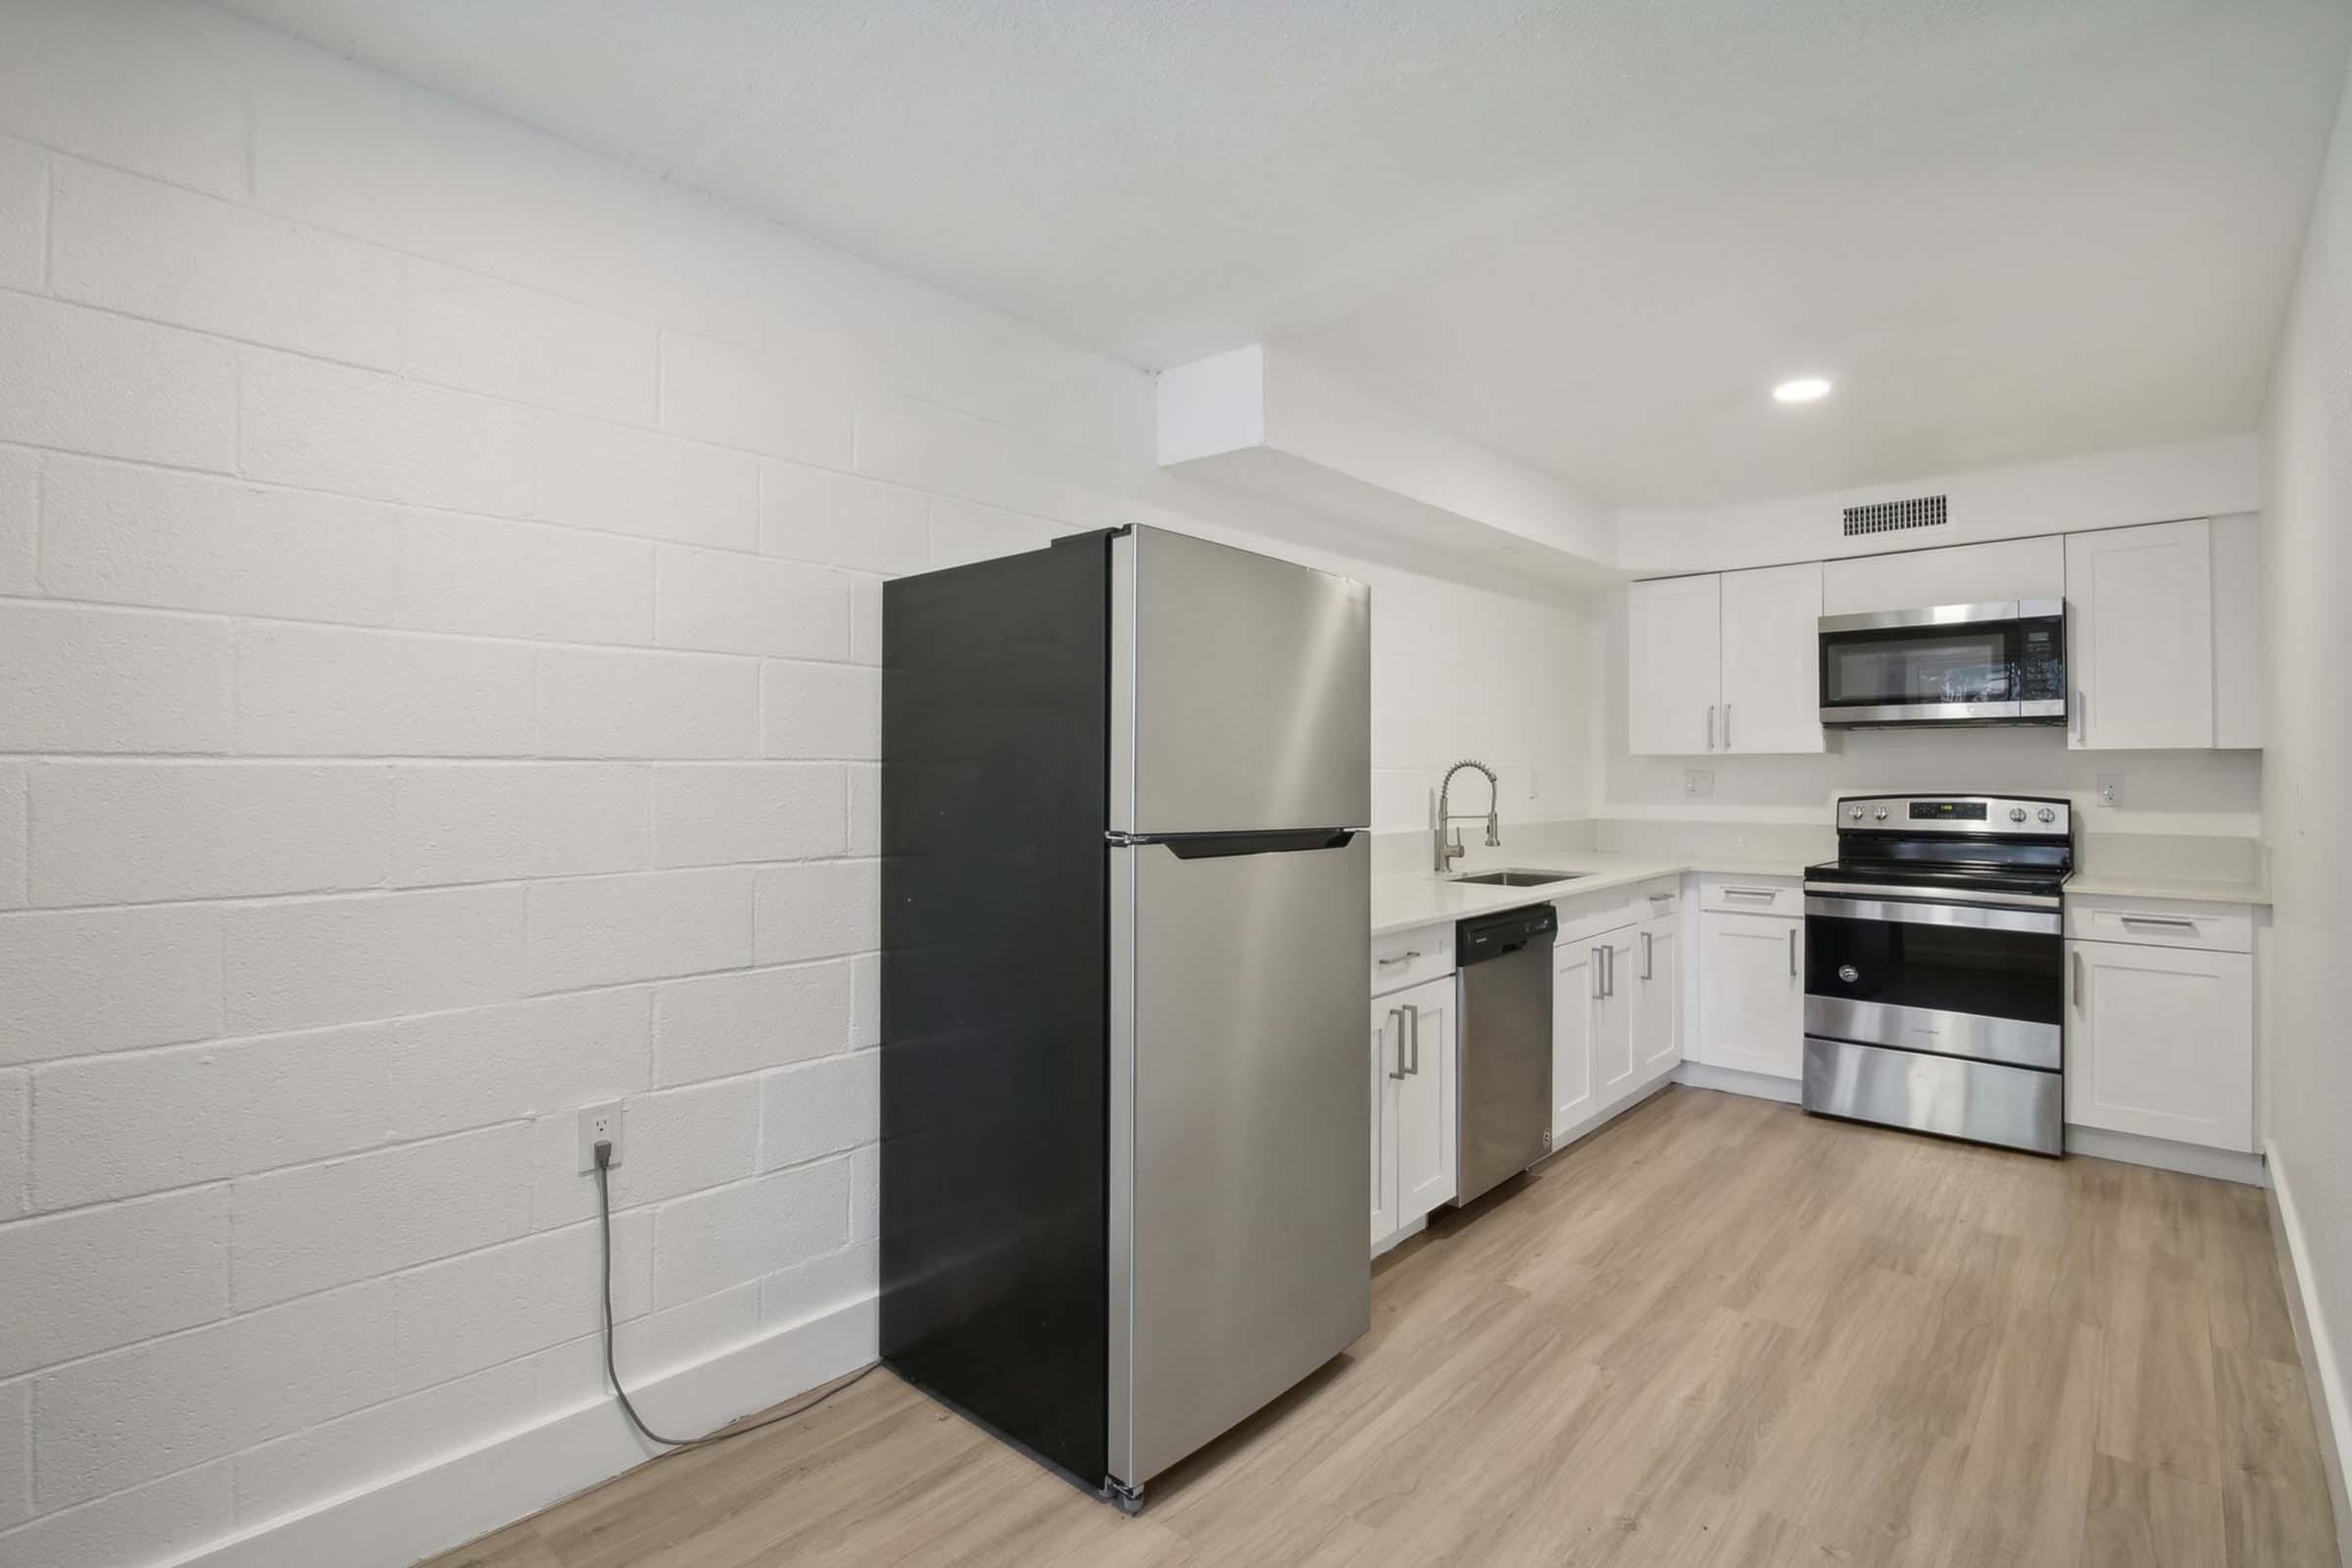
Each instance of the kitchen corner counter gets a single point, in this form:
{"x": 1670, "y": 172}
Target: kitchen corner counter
{"x": 2174, "y": 888}
{"x": 1425, "y": 898}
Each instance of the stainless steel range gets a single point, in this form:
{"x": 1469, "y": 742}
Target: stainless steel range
{"x": 1934, "y": 967}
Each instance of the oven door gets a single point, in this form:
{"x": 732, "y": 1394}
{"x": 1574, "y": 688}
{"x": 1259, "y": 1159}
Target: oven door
{"x": 1983, "y": 982}
{"x": 1993, "y": 664}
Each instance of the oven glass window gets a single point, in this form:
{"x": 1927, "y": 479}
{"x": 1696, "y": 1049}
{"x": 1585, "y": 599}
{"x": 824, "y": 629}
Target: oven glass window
{"x": 1933, "y": 664}
{"x": 2000, "y": 974}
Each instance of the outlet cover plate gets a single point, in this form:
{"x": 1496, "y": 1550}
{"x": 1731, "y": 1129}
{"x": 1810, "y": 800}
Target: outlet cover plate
{"x": 597, "y": 1124}
{"x": 2111, "y": 789}
{"x": 1699, "y": 784}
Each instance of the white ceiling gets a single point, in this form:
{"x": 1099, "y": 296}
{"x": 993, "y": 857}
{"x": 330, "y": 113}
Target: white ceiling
{"x": 1589, "y": 235}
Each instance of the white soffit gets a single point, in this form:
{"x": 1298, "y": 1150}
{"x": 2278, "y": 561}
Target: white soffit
{"x": 1264, "y": 420}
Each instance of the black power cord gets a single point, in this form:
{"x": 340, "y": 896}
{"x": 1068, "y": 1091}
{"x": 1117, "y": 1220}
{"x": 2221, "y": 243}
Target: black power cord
{"x": 604, "y": 1204}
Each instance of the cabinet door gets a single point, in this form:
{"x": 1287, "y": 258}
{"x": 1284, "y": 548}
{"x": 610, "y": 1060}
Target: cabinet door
{"x": 1657, "y": 997}
{"x": 1770, "y": 659}
{"x": 1425, "y": 1101}
{"x": 1751, "y": 994}
{"x": 1613, "y": 1020}
{"x": 2160, "y": 1041}
{"x": 2139, "y": 637}
{"x": 1387, "y": 1058}
{"x": 1575, "y": 1010}
{"x": 1674, "y": 656}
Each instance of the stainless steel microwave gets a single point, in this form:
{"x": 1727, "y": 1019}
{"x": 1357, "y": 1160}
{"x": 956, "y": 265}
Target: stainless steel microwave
{"x": 1995, "y": 663}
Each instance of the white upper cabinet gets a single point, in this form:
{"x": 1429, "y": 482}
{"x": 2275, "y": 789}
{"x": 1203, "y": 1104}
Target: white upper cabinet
{"x": 2139, "y": 637}
{"x": 1673, "y": 648}
{"x": 1770, "y": 657}
{"x": 2237, "y": 631}
{"x": 1956, "y": 574}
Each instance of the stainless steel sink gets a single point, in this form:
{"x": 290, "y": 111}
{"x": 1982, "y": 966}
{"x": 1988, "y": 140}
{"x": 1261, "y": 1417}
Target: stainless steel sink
{"x": 1518, "y": 876}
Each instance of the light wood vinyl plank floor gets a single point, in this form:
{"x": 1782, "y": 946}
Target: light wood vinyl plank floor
{"x": 1717, "y": 1334}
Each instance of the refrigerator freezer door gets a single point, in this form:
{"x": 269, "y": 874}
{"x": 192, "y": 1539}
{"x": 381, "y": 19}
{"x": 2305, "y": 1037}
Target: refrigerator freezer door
{"x": 1239, "y": 1135}
{"x": 1241, "y": 691}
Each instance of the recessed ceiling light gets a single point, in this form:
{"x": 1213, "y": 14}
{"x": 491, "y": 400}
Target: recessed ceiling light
{"x": 1804, "y": 389}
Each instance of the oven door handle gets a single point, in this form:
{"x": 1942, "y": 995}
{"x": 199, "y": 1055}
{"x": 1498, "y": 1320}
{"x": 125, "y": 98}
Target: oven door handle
{"x": 1934, "y": 895}
{"x": 1967, "y": 917}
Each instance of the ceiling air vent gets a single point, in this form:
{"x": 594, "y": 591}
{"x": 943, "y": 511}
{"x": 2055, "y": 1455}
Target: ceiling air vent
{"x": 1892, "y": 516}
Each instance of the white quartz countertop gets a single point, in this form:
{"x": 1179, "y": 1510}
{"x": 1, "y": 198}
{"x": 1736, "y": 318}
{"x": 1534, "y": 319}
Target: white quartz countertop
{"x": 1424, "y": 897}
{"x": 2179, "y": 889}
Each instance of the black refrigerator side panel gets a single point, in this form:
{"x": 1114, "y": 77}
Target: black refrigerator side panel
{"x": 995, "y": 1091}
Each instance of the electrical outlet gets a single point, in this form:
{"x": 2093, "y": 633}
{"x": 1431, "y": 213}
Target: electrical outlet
{"x": 599, "y": 1124}
{"x": 1699, "y": 785}
{"x": 2111, "y": 789}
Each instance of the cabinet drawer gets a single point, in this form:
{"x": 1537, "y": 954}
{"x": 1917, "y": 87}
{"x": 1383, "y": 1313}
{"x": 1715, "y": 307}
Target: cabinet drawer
{"x": 1659, "y": 896}
{"x": 2152, "y": 923}
{"x": 1751, "y": 895}
{"x": 1588, "y": 914}
{"x": 1407, "y": 958}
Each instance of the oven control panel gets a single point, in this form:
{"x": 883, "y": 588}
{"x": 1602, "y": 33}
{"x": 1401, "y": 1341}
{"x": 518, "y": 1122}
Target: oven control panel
{"x": 2042, "y": 816}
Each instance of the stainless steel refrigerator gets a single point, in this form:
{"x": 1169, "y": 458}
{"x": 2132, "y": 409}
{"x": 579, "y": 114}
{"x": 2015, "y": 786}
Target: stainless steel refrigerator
{"x": 1125, "y": 1146}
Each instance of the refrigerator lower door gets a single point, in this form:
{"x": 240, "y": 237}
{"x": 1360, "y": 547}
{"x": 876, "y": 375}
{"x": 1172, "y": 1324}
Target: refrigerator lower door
{"x": 1238, "y": 1135}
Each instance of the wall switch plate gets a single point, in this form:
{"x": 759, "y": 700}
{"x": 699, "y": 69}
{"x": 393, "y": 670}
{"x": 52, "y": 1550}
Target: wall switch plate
{"x": 2111, "y": 789}
{"x": 1699, "y": 785}
{"x": 599, "y": 1124}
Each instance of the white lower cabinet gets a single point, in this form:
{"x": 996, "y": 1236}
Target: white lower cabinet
{"x": 1615, "y": 1020}
{"x": 1413, "y": 1113}
{"x": 1574, "y": 1015}
{"x": 1658, "y": 996}
{"x": 2160, "y": 1042}
{"x": 1613, "y": 1017}
{"x": 1752, "y": 993}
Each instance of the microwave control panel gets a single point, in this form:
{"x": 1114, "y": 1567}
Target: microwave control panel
{"x": 2041, "y": 661}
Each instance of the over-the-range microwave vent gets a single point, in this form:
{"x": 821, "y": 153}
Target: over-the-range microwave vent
{"x": 1892, "y": 516}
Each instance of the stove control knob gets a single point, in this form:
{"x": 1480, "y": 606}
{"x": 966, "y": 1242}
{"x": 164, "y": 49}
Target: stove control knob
{"x": 1879, "y": 813}
{"x": 2046, "y": 815}
{"x": 1848, "y": 973}
{"x": 1854, "y": 811}
{"x": 2017, "y": 814}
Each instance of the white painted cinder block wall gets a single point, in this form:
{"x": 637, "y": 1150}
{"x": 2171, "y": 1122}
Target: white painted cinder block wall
{"x": 439, "y": 573}
{"x": 2308, "y": 601}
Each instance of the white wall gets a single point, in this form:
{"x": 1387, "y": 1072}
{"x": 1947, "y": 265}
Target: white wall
{"x": 438, "y": 580}
{"x": 2307, "y": 803}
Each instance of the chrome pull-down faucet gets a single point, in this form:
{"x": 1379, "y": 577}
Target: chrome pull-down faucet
{"x": 1447, "y": 853}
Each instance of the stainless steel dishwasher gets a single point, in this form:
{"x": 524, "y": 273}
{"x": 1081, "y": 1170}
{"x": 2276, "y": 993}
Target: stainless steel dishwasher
{"x": 1503, "y": 1050}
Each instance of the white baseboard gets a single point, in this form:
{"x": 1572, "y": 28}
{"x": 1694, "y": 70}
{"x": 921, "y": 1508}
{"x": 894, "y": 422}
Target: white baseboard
{"x": 1731, "y": 1080}
{"x": 406, "y": 1517}
{"x": 2190, "y": 1159}
{"x": 2328, "y": 1411}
